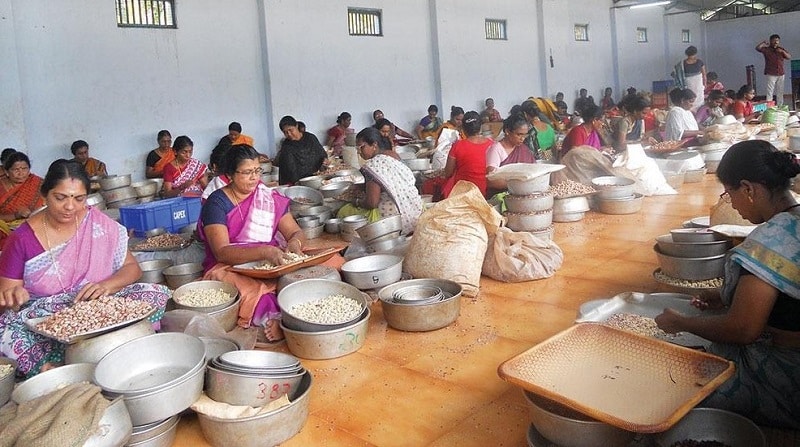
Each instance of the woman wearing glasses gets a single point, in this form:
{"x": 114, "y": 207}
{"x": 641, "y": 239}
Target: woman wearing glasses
{"x": 245, "y": 221}
{"x": 760, "y": 330}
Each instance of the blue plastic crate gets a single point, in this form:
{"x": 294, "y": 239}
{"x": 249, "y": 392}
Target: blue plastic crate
{"x": 170, "y": 214}
{"x": 663, "y": 86}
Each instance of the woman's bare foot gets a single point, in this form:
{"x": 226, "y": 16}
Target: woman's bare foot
{"x": 273, "y": 331}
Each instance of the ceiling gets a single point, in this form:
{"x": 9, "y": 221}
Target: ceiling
{"x": 722, "y": 9}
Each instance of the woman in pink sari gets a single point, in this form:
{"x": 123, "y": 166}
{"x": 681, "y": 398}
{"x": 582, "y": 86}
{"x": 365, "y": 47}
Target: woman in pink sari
{"x": 245, "y": 221}
{"x": 69, "y": 252}
{"x": 185, "y": 176}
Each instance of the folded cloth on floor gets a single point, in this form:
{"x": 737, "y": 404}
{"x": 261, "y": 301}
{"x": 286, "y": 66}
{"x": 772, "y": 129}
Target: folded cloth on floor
{"x": 220, "y": 410}
{"x": 68, "y": 416}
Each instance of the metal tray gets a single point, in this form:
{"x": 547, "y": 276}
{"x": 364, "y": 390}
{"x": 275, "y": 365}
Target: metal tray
{"x": 596, "y": 369}
{"x": 132, "y": 242}
{"x": 317, "y": 256}
{"x": 648, "y": 305}
{"x": 33, "y": 322}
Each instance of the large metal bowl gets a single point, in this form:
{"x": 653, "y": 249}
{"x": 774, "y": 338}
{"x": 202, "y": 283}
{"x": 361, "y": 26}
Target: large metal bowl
{"x": 669, "y": 247}
{"x": 7, "y": 381}
{"x": 526, "y": 187}
{"x": 314, "y": 232}
{"x": 628, "y": 205}
{"x": 314, "y": 181}
{"x": 321, "y": 212}
{"x": 272, "y": 428}
{"x": 611, "y": 187}
{"x": 177, "y": 320}
{"x": 307, "y": 221}
{"x": 145, "y": 188}
{"x": 380, "y": 228}
{"x": 115, "y": 181}
{"x": 529, "y": 204}
{"x": 255, "y": 390}
{"x": 334, "y": 189}
{"x": 152, "y": 270}
{"x": 91, "y": 350}
{"x": 373, "y": 271}
{"x": 711, "y": 424}
{"x": 418, "y": 164}
{"x": 691, "y": 268}
{"x": 529, "y": 221}
{"x": 303, "y": 195}
{"x": 695, "y": 235}
{"x": 156, "y": 434}
{"x": 150, "y": 363}
{"x": 311, "y": 290}
{"x": 568, "y": 428}
{"x": 567, "y": 205}
{"x": 421, "y": 317}
{"x": 181, "y": 274}
{"x": 195, "y": 286}
{"x": 382, "y": 246}
{"x": 51, "y": 380}
{"x": 167, "y": 401}
{"x": 328, "y": 344}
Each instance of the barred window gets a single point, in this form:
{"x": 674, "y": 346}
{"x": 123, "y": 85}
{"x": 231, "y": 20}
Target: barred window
{"x": 496, "y": 29}
{"x": 686, "y": 36}
{"x": 582, "y": 32}
{"x": 641, "y": 35}
{"x": 146, "y": 13}
{"x": 364, "y": 22}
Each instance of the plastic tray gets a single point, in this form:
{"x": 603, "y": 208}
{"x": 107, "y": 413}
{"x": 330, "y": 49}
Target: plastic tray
{"x": 632, "y": 382}
{"x": 650, "y": 305}
{"x": 317, "y": 256}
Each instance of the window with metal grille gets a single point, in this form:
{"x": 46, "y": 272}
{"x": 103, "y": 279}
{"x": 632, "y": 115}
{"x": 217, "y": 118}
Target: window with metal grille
{"x": 496, "y": 29}
{"x": 641, "y": 35}
{"x": 686, "y": 36}
{"x": 364, "y": 22}
{"x": 146, "y": 13}
{"x": 582, "y": 32}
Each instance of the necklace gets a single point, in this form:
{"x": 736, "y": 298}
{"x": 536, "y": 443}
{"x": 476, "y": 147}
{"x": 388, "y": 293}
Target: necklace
{"x": 50, "y": 251}
{"x": 236, "y": 199}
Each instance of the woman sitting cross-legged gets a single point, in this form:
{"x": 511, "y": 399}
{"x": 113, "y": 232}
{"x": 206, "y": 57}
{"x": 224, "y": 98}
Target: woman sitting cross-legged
{"x": 245, "y": 221}
{"x": 69, "y": 252}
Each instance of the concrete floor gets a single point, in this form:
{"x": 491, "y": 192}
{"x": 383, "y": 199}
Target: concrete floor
{"x": 441, "y": 388}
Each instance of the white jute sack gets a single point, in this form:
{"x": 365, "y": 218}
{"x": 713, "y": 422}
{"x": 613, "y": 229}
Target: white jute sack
{"x": 450, "y": 239}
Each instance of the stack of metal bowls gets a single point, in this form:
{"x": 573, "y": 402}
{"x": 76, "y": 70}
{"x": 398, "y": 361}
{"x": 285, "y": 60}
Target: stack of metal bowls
{"x": 157, "y": 434}
{"x": 91, "y": 350}
{"x": 117, "y": 191}
{"x": 692, "y": 254}
{"x": 116, "y": 421}
{"x": 152, "y": 270}
{"x": 318, "y": 216}
{"x": 178, "y": 275}
{"x": 570, "y": 209}
{"x": 373, "y": 271}
{"x": 146, "y": 190}
{"x": 419, "y": 305}
{"x": 252, "y": 378}
{"x": 158, "y": 376}
{"x": 349, "y": 226}
{"x": 566, "y": 427}
{"x": 270, "y": 428}
{"x": 615, "y": 195}
{"x": 529, "y": 206}
{"x": 338, "y": 336}
{"x": 381, "y": 233}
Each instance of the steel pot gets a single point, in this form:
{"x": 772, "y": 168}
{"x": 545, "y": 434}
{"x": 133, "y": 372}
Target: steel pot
{"x": 568, "y": 217}
{"x": 303, "y": 195}
{"x": 51, "y": 380}
{"x": 146, "y": 188}
{"x": 529, "y": 221}
{"x": 691, "y": 268}
{"x": 255, "y": 390}
{"x": 266, "y": 429}
{"x": 93, "y": 349}
{"x": 156, "y": 434}
{"x": 621, "y": 206}
{"x": 373, "y": 271}
{"x": 321, "y": 212}
{"x": 530, "y": 203}
{"x": 312, "y": 290}
{"x": 152, "y": 270}
{"x": 195, "y": 286}
{"x": 421, "y": 317}
{"x": 577, "y": 204}
{"x": 313, "y": 272}
{"x": 177, "y": 320}
{"x": 528, "y": 186}
{"x": 386, "y": 245}
{"x": 332, "y": 225}
{"x": 380, "y": 228}
{"x": 119, "y": 194}
{"x": 307, "y": 221}
{"x": 610, "y": 187}
{"x": 115, "y": 181}
{"x": 314, "y": 232}
{"x": 334, "y": 189}
{"x": 330, "y": 344}
{"x": 7, "y": 381}
{"x": 669, "y": 247}
{"x": 166, "y": 401}
{"x": 694, "y": 235}
{"x": 181, "y": 274}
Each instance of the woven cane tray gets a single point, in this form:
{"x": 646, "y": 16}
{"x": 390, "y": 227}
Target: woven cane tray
{"x": 617, "y": 377}
{"x": 316, "y": 257}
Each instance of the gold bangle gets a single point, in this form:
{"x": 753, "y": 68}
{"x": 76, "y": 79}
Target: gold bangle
{"x": 299, "y": 242}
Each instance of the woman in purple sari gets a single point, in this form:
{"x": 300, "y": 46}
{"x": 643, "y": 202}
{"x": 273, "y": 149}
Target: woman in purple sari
{"x": 245, "y": 221}
{"x": 68, "y": 252}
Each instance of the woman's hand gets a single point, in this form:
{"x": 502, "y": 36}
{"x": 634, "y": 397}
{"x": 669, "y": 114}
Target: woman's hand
{"x": 92, "y": 291}
{"x": 13, "y": 298}
{"x": 708, "y": 299}
{"x": 295, "y": 245}
{"x": 670, "y": 321}
{"x": 274, "y": 255}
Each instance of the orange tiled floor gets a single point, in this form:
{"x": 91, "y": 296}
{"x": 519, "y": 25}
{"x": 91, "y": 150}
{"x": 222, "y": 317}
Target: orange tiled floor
{"x": 441, "y": 388}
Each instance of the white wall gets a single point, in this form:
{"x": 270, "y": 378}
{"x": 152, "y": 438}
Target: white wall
{"x": 81, "y": 76}
{"x": 736, "y": 41}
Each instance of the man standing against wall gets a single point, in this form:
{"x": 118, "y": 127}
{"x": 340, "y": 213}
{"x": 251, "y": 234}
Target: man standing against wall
{"x": 774, "y": 55}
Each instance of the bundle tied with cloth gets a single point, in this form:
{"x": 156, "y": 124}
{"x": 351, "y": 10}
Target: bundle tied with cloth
{"x": 66, "y": 417}
{"x": 520, "y": 256}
